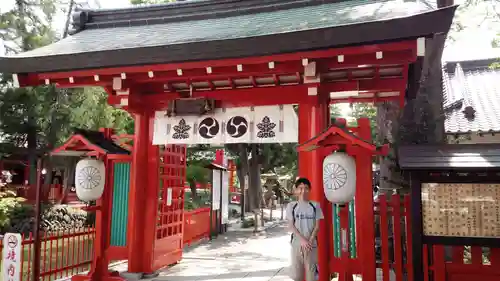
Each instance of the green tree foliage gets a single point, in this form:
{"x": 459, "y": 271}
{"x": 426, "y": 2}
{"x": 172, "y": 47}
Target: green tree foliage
{"x": 40, "y": 118}
{"x": 91, "y": 111}
{"x": 198, "y": 158}
{"x": 24, "y": 111}
{"x": 365, "y": 110}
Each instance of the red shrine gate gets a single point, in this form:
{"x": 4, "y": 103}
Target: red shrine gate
{"x": 308, "y": 53}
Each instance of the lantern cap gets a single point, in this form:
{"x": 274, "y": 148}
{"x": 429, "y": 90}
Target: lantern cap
{"x": 84, "y": 141}
{"x": 335, "y": 135}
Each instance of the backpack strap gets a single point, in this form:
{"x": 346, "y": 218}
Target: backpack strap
{"x": 314, "y": 208}
{"x": 293, "y": 218}
{"x": 293, "y": 212}
{"x": 314, "y": 212}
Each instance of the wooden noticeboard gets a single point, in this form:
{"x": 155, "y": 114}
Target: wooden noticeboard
{"x": 461, "y": 210}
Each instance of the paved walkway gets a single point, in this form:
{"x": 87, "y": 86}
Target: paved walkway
{"x": 236, "y": 255}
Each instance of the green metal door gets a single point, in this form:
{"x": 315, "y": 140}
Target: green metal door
{"x": 336, "y": 230}
{"x": 119, "y": 213}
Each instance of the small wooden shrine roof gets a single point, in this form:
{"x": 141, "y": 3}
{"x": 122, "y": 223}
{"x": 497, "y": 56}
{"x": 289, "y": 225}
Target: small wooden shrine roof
{"x": 335, "y": 136}
{"x": 85, "y": 141}
{"x": 220, "y": 29}
{"x": 449, "y": 156}
{"x": 215, "y": 166}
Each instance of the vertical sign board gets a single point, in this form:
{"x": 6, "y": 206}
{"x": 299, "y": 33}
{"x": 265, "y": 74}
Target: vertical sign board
{"x": 169, "y": 196}
{"x": 216, "y": 189}
{"x": 11, "y": 257}
{"x": 225, "y": 197}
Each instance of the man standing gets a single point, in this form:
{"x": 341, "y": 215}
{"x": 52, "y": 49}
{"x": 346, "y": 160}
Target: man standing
{"x": 303, "y": 217}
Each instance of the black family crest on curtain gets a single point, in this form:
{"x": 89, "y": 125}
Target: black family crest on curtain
{"x": 266, "y": 128}
{"x": 237, "y": 126}
{"x": 261, "y": 124}
{"x": 209, "y": 128}
{"x": 181, "y": 131}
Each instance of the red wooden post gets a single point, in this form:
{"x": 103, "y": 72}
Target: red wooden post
{"x": 495, "y": 257}
{"x": 384, "y": 236}
{"x": 425, "y": 261}
{"x": 398, "y": 251}
{"x": 313, "y": 117}
{"x": 364, "y": 204}
{"x": 438, "y": 262}
{"x": 143, "y": 197}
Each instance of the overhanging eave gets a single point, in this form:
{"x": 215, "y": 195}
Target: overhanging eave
{"x": 420, "y": 25}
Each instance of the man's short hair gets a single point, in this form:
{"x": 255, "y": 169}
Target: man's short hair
{"x": 303, "y": 181}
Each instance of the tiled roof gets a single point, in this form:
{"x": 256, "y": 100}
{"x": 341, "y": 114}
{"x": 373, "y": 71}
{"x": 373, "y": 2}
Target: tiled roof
{"x": 471, "y": 96}
{"x": 216, "y": 29}
{"x": 449, "y": 156}
{"x": 98, "y": 139}
{"x": 223, "y": 28}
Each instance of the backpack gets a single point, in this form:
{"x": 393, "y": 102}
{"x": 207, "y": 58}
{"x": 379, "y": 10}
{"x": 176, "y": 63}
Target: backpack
{"x": 293, "y": 215}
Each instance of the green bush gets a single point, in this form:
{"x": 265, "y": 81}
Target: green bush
{"x": 12, "y": 209}
{"x": 203, "y": 200}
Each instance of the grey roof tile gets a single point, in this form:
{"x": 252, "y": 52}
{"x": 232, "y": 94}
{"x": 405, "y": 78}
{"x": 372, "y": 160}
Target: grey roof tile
{"x": 234, "y": 27}
{"x": 448, "y": 156}
{"x": 474, "y": 84}
{"x": 223, "y": 29}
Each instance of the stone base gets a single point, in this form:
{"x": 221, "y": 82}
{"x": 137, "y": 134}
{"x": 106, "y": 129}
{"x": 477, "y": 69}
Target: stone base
{"x": 150, "y": 275}
{"x": 132, "y": 276}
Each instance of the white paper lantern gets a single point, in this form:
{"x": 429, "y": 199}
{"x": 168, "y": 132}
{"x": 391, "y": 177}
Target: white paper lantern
{"x": 339, "y": 177}
{"x": 89, "y": 179}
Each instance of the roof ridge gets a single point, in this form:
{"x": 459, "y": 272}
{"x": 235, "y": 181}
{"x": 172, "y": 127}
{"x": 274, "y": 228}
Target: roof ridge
{"x": 183, "y": 11}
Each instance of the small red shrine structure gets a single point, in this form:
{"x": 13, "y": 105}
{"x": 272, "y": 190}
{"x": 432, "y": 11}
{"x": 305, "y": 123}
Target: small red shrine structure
{"x": 235, "y": 53}
{"x": 101, "y": 145}
{"x": 356, "y": 142}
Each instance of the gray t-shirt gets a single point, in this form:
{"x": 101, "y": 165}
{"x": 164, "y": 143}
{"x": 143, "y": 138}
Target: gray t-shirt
{"x": 306, "y": 216}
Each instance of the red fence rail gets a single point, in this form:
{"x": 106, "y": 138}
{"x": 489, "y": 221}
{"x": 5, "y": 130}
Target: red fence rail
{"x": 394, "y": 255}
{"x": 63, "y": 254}
{"x": 196, "y": 225}
{"x": 461, "y": 263}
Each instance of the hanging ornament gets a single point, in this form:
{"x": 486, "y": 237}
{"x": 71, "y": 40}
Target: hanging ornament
{"x": 89, "y": 179}
{"x": 339, "y": 177}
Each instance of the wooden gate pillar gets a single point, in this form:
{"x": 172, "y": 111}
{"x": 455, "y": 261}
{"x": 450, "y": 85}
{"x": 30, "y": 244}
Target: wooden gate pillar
{"x": 314, "y": 119}
{"x": 143, "y": 196}
{"x": 365, "y": 219}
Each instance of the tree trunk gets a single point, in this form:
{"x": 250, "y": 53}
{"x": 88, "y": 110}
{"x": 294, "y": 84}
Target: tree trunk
{"x": 388, "y": 115}
{"x": 255, "y": 189}
{"x": 69, "y": 176}
{"x": 241, "y": 178}
{"x": 243, "y": 171}
{"x": 68, "y": 18}
{"x": 194, "y": 191}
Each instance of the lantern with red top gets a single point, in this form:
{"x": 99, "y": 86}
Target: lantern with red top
{"x": 347, "y": 154}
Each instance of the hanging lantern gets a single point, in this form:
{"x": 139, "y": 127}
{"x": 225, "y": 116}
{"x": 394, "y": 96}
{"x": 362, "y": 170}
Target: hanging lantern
{"x": 339, "y": 177}
{"x": 89, "y": 179}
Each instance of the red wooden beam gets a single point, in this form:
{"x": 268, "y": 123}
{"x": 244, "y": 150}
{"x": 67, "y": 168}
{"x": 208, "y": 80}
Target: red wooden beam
{"x": 363, "y": 61}
{"x": 364, "y": 100}
{"x": 283, "y": 94}
{"x": 247, "y": 63}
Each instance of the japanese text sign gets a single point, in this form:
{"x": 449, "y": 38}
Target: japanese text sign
{"x": 11, "y": 257}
